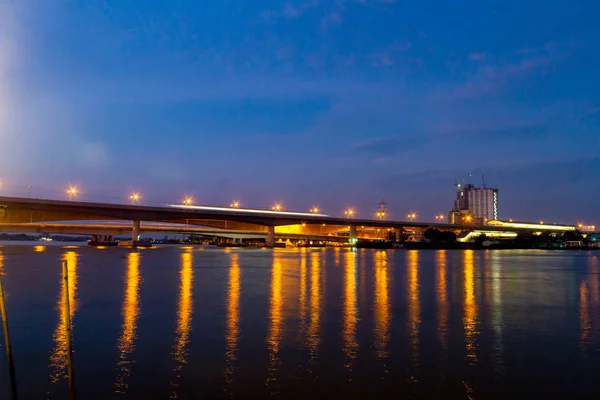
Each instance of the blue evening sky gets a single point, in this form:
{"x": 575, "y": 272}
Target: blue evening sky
{"x": 334, "y": 103}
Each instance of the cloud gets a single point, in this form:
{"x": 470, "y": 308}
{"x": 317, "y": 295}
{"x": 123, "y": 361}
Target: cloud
{"x": 94, "y": 154}
{"x": 493, "y": 78}
{"x": 388, "y": 145}
{"x": 591, "y": 113}
{"x": 394, "y": 54}
{"x": 331, "y": 19}
{"x": 476, "y": 56}
{"x": 291, "y": 10}
{"x": 489, "y": 132}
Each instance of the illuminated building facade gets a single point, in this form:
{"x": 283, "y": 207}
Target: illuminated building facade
{"x": 483, "y": 203}
{"x": 474, "y": 205}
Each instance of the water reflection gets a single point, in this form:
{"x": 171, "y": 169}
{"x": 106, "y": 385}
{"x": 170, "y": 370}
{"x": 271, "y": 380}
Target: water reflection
{"x": 593, "y": 274}
{"x": 275, "y": 320}
{"x": 496, "y": 304}
{"x": 315, "y": 305}
{"x": 233, "y": 321}
{"x": 382, "y": 305}
{"x": 350, "y": 310}
{"x": 584, "y": 317}
{"x": 58, "y": 358}
{"x": 443, "y": 308}
{"x": 184, "y": 317}
{"x": 303, "y": 293}
{"x": 414, "y": 303}
{"x": 470, "y": 308}
{"x": 130, "y": 313}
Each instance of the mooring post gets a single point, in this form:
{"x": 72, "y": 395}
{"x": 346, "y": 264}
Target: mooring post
{"x": 9, "y": 356}
{"x": 68, "y": 329}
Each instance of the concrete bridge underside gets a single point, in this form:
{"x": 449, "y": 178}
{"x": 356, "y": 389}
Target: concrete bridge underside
{"x": 115, "y": 230}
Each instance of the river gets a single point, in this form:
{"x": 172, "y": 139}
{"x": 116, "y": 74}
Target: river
{"x": 192, "y": 322}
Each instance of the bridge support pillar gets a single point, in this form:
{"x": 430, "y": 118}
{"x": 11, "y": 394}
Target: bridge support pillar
{"x": 136, "y": 230}
{"x": 271, "y": 236}
{"x": 352, "y": 234}
{"x": 399, "y": 234}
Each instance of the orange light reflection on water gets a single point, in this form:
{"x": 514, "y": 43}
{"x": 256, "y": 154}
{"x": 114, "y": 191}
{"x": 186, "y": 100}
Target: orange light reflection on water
{"x": 443, "y": 307}
{"x": 350, "y": 310}
{"x": 414, "y": 303}
{"x": 314, "y": 328}
{"x": 184, "y": 316}
{"x": 382, "y": 305}
{"x": 275, "y": 320}
{"x": 233, "y": 320}
{"x": 58, "y": 358}
{"x": 130, "y": 315}
{"x": 470, "y": 308}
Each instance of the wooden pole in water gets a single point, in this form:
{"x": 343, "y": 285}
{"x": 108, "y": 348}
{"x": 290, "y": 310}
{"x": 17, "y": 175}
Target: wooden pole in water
{"x": 9, "y": 356}
{"x": 68, "y": 328}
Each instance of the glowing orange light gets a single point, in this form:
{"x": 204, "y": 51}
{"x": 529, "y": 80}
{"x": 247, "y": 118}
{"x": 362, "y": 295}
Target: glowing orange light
{"x": 349, "y": 212}
{"x": 235, "y": 204}
{"x": 188, "y": 201}
{"x": 72, "y": 192}
{"x": 277, "y": 207}
{"x": 314, "y": 210}
{"x": 135, "y": 198}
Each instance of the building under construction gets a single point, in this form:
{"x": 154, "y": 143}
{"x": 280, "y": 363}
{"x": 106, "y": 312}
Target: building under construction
{"x": 474, "y": 205}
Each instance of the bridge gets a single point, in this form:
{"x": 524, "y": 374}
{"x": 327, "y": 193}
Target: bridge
{"x": 21, "y": 214}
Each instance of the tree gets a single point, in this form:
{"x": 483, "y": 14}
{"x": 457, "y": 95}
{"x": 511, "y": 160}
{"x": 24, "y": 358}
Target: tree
{"x": 431, "y": 234}
{"x": 447, "y": 236}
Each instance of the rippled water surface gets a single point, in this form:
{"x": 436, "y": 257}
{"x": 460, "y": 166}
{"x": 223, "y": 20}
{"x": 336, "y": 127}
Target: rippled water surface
{"x": 183, "y": 322}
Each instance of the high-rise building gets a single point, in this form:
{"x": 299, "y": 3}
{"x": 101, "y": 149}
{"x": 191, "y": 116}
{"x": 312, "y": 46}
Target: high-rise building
{"x": 483, "y": 203}
{"x": 474, "y": 205}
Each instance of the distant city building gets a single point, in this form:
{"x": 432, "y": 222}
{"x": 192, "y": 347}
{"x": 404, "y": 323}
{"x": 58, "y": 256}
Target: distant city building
{"x": 483, "y": 203}
{"x": 474, "y": 205}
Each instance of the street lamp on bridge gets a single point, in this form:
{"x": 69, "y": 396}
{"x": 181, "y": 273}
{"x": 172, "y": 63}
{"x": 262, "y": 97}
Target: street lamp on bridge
{"x": 72, "y": 192}
{"x": 235, "y": 204}
{"x": 349, "y": 213}
{"x": 314, "y": 210}
{"x": 188, "y": 201}
{"x": 135, "y": 198}
{"x": 412, "y": 216}
{"x": 439, "y": 218}
{"x": 277, "y": 207}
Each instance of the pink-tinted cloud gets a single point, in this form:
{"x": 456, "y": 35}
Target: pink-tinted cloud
{"x": 477, "y": 56}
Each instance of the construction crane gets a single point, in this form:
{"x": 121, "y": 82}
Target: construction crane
{"x": 458, "y": 185}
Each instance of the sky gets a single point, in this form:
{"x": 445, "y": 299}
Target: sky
{"x": 335, "y": 103}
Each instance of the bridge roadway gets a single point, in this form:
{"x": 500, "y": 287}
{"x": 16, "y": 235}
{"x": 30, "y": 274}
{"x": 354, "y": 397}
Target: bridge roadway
{"x": 118, "y": 229}
{"x": 15, "y": 210}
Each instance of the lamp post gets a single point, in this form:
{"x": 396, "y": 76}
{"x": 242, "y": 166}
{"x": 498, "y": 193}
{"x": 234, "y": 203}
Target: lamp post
{"x": 349, "y": 213}
{"x": 412, "y": 216}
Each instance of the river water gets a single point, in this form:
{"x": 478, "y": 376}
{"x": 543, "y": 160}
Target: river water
{"x": 190, "y": 322}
